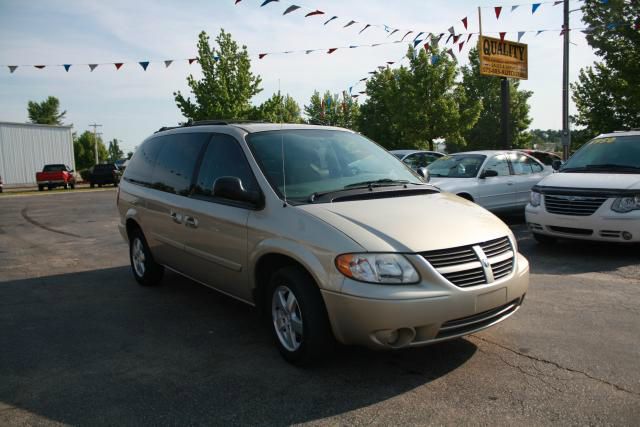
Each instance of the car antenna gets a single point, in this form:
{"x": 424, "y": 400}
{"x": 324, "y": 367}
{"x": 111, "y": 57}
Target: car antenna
{"x": 284, "y": 175}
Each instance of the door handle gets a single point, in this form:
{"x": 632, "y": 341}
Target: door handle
{"x": 190, "y": 221}
{"x": 176, "y": 217}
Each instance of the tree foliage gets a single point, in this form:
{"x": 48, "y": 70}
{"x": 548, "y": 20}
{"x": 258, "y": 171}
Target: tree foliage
{"x": 412, "y": 107}
{"x": 278, "y": 109}
{"x": 114, "y": 151}
{"x": 46, "y": 112}
{"x": 333, "y": 110}
{"x": 607, "y": 94}
{"x": 83, "y": 150}
{"x": 486, "y": 133}
{"x": 227, "y": 86}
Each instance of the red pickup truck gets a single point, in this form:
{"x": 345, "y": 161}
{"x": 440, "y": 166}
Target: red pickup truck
{"x": 53, "y": 176}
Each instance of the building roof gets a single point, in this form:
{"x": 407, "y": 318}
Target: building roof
{"x": 35, "y": 125}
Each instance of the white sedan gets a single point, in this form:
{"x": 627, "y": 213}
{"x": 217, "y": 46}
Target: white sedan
{"x": 496, "y": 180}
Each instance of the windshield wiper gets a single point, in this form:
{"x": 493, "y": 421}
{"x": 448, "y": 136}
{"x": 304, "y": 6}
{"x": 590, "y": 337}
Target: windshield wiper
{"x": 379, "y": 183}
{"x": 602, "y": 167}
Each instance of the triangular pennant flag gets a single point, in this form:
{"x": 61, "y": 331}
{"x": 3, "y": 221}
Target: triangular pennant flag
{"x": 93, "y": 66}
{"x": 390, "y": 62}
{"x": 540, "y": 32}
{"x": 455, "y": 38}
{"x": 330, "y": 19}
{"x": 434, "y": 59}
{"x": 267, "y": 2}
{"x": 365, "y": 27}
{"x": 408, "y": 32}
{"x": 452, "y": 30}
{"x": 315, "y": 12}
{"x": 362, "y": 92}
{"x": 355, "y": 96}
{"x": 238, "y": 1}
{"x": 372, "y": 72}
{"x": 416, "y": 43}
{"x": 307, "y": 52}
{"x": 353, "y": 46}
{"x": 217, "y": 58}
{"x": 39, "y": 67}
{"x": 502, "y": 34}
{"x": 449, "y": 38}
{"x": 12, "y": 68}
{"x": 262, "y": 55}
{"x": 291, "y": 8}
{"x": 350, "y": 87}
{"x": 555, "y": 3}
{"x": 439, "y": 37}
{"x": 426, "y": 47}
{"x": 192, "y": 60}
{"x": 469, "y": 37}
{"x": 66, "y": 67}
{"x": 118, "y": 65}
{"x": 350, "y": 23}
{"x": 168, "y": 62}
{"x": 376, "y": 44}
{"x": 419, "y": 34}
{"x": 460, "y": 46}
{"x": 498, "y": 9}
{"x": 514, "y": 7}
{"x": 381, "y": 67}
{"x": 520, "y": 34}
{"x": 144, "y": 64}
{"x": 464, "y": 22}
{"x": 450, "y": 52}
{"x": 333, "y": 49}
{"x": 393, "y": 32}
{"x": 535, "y": 7}
{"x": 364, "y": 79}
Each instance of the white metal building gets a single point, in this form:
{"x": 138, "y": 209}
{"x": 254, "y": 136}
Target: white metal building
{"x": 25, "y": 148}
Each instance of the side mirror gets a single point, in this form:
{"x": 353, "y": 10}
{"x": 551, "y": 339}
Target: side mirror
{"x": 488, "y": 174}
{"x": 230, "y": 187}
{"x": 424, "y": 173}
{"x": 556, "y": 165}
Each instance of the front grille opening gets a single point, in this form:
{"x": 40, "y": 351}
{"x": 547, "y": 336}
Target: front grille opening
{"x": 610, "y": 233}
{"x": 502, "y": 269}
{"x": 469, "y": 324}
{"x": 466, "y": 278}
{"x": 572, "y": 205}
{"x": 569, "y": 230}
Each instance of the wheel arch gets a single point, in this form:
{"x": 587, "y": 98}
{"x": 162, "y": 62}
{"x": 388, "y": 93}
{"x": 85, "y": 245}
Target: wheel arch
{"x": 465, "y": 195}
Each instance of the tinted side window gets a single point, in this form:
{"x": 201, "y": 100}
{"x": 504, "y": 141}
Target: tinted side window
{"x": 499, "y": 164}
{"x": 176, "y": 162}
{"x": 140, "y": 166}
{"x": 223, "y": 157}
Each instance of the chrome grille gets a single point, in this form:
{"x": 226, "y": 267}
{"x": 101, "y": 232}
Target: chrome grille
{"x": 573, "y": 205}
{"x": 462, "y": 265}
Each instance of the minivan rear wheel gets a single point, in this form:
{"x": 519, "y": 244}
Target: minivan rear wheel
{"x": 145, "y": 270}
{"x": 299, "y": 320}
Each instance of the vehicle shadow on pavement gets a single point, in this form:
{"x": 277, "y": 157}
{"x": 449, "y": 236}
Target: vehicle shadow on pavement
{"x": 95, "y": 348}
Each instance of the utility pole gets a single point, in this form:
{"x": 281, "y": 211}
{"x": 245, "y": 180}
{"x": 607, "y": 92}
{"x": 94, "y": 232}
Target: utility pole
{"x": 95, "y": 126}
{"x": 566, "y": 132}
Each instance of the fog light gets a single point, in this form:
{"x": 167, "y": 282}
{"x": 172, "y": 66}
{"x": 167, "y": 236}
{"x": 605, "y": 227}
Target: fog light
{"x": 626, "y": 235}
{"x": 392, "y": 337}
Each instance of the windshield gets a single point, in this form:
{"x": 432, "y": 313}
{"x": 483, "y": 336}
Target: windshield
{"x": 612, "y": 153}
{"x": 398, "y": 155}
{"x": 320, "y": 161}
{"x": 457, "y": 166}
{"x": 54, "y": 168}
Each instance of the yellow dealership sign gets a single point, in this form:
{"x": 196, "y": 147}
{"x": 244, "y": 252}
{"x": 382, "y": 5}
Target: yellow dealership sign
{"x": 503, "y": 58}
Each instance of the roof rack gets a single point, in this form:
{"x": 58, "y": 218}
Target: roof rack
{"x": 209, "y": 123}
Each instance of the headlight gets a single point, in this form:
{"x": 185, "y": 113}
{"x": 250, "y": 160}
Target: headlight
{"x": 626, "y": 204}
{"x": 377, "y": 268}
{"x": 534, "y": 198}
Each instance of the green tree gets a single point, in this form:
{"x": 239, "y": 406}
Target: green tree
{"x": 46, "y": 112}
{"x": 412, "y": 107}
{"x": 114, "y": 150}
{"x": 333, "y": 110}
{"x": 278, "y": 109}
{"x": 83, "y": 150}
{"x": 607, "y": 94}
{"x": 227, "y": 85}
{"x": 486, "y": 133}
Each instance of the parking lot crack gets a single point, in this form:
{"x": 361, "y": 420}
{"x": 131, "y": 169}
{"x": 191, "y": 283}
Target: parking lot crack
{"x": 32, "y": 221}
{"x": 557, "y": 365}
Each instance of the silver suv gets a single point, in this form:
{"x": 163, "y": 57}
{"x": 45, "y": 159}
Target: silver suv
{"x": 328, "y": 233}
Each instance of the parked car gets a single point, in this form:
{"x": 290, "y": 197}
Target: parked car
{"x": 320, "y": 228}
{"x": 103, "y": 174}
{"x": 496, "y": 180}
{"x": 595, "y": 195}
{"x": 417, "y": 159}
{"x": 56, "y": 175}
{"x": 1, "y": 185}
{"x": 545, "y": 157}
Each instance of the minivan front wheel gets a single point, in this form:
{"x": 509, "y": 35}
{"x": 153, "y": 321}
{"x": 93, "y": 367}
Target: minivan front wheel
{"x": 145, "y": 270}
{"x": 299, "y": 320}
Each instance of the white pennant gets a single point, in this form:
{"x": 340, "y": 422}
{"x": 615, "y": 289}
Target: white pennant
{"x": 167, "y": 63}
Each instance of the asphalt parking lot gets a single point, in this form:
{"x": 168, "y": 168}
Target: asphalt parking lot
{"x": 81, "y": 343}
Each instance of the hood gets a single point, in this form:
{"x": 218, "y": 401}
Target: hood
{"x": 600, "y": 181}
{"x": 411, "y": 224}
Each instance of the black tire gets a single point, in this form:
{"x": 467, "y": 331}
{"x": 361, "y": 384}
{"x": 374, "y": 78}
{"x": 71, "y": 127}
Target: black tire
{"x": 49, "y": 188}
{"x": 40, "y": 187}
{"x": 152, "y": 272}
{"x": 91, "y": 184}
{"x": 544, "y": 239}
{"x": 99, "y": 185}
{"x": 317, "y": 339}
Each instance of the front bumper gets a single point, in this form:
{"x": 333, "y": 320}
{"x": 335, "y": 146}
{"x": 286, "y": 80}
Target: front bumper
{"x": 431, "y": 311}
{"x": 603, "y": 225}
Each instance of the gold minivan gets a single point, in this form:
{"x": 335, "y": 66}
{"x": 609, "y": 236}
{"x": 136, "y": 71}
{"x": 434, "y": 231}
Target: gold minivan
{"x": 329, "y": 234}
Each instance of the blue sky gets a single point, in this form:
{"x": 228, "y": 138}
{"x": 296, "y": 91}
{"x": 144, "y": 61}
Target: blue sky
{"x": 132, "y": 103}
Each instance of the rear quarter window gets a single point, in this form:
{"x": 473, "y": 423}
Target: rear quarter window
{"x": 176, "y": 162}
{"x": 141, "y": 165}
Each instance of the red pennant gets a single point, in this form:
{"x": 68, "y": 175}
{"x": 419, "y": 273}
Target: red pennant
{"x": 426, "y": 46}
{"x": 39, "y": 67}
{"x": 238, "y": 1}
{"x": 464, "y": 22}
{"x": 469, "y": 37}
{"x": 460, "y": 46}
{"x": 261, "y": 55}
{"x": 315, "y": 12}
{"x": 333, "y": 49}
{"x": 498, "y": 9}
{"x": 455, "y": 38}
{"x": 118, "y": 65}
{"x": 502, "y": 34}
{"x": 192, "y": 60}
